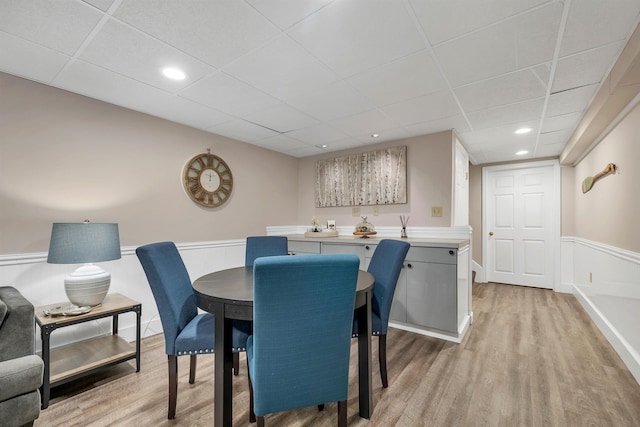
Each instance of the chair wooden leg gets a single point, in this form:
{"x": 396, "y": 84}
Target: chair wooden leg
{"x": 382, "y": 357}
{"x": 261, "y": 422}
{"x": 321, "y": 407}
{"x": 342, "y": 413}
{"x": 252, "y": 414}
{"x": 192, "y": 369}
{"x": 173, "y": 385}
{"x": 236, "y": 363}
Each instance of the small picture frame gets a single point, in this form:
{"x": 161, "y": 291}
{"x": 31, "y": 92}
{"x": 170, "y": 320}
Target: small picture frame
{"x": 331, "y": 224}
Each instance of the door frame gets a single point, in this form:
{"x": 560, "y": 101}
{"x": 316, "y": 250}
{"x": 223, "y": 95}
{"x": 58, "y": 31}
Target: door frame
{"x": 555, "y": 198}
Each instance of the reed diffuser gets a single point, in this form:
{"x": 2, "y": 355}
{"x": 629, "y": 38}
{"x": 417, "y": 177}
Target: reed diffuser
{"x": 403, "y": 231}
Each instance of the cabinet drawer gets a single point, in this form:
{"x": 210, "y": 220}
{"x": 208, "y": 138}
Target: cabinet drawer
{"x": 296, "y": 246}
{"x": 436, "y": 255}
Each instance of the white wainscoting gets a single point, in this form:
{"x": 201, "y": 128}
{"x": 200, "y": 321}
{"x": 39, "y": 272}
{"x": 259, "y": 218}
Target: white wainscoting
{"x": 42, "y": 283}
{"x": 606, "y": 281}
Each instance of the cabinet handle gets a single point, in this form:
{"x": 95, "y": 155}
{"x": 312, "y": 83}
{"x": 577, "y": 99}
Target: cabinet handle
{"x": 409, "y": 266}
{"x": 367, "y": 247}
{"x": 450, "y": 252}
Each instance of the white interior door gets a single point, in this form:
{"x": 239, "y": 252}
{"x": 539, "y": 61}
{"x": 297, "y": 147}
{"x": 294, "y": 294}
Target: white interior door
{"x": 522, "y": 223}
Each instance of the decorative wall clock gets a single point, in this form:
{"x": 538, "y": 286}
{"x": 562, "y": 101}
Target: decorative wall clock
{"x": 207, "y": 180}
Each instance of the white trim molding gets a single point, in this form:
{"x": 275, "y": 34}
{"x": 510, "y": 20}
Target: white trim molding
{"x": 605, "y": 280}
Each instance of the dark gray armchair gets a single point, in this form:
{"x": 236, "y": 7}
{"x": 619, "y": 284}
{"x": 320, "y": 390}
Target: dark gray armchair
{"x": 20, "y": 369}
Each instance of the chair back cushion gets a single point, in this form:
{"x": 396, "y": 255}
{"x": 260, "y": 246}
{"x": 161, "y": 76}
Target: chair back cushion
{"x": 261, "y": 246}
{"x": 302, "y": 312}
{"x": 171, "y": 288}
{"x": 385, "y": 265}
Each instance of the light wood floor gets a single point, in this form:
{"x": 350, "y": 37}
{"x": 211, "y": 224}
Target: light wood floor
{"x": 531, "y": 358}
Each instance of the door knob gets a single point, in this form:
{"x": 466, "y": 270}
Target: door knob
{"x": 491, "y": 233}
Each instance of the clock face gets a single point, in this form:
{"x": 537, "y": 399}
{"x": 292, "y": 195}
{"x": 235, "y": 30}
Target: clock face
{"x": 207, "y": 180}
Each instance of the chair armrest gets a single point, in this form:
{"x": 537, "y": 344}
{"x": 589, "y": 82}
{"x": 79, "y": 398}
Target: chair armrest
{"x": 20, "y": 376}
{"x": 17, "y": 332}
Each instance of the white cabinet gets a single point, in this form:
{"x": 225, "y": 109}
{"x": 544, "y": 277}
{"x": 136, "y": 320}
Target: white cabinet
{"x": 433, "y": 291}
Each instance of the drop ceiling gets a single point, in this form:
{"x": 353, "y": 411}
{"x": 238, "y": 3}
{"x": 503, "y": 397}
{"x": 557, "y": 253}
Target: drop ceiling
{"x": 291, "y": 75}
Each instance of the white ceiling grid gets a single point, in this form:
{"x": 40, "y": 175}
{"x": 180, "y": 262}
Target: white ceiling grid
{"x": 290, "y": 75}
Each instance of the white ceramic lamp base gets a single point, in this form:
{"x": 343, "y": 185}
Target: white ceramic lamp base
{"x": 87, "y": 286}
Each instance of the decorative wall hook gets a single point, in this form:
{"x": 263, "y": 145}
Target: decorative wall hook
{"x": 590, "y": 180}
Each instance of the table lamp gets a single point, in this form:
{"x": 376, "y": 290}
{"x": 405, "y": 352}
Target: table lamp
{"x": 85, "y": 242}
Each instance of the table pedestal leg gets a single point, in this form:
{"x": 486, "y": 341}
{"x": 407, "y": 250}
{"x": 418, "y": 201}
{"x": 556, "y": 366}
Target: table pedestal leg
{"x": 223, "y": 369}
{"x": 364, "y": 358}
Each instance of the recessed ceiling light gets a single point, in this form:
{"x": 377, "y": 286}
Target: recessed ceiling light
{"x": 375, "y": 135}
{"x": 322, "y": 146}
{"x": 522, "y": 131}
{"x": 174, "y": 73}
{"x": 521, "y": 153}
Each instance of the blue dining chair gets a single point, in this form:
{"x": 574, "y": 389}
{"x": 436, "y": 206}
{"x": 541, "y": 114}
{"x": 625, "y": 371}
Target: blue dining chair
{"x": 299, "y": 352}
{"x": 185, "y": 331}
{"x": 385, "y": 265}
{"x": 259, "y": 246}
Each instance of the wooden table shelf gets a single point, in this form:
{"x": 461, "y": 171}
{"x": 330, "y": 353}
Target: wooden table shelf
{"x": 83, "y": 358}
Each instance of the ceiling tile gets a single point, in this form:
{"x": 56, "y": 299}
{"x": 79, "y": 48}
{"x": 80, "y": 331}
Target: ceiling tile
{"x": 305, "y": 151}
{"x": 96, "y": 82}
{"x": 29, "y": 60}
{"x": 387, "y": 135}
{"x": 127, "y": 51}
{"x": 225, "y": 93}
{"x": 216, "y": 32}
{"x": 564, "y": 121}
{"x": 281, "y": 143}
{"x": 570, "y": 101}
{"x": 103, "y": 5}
{"x": 506, "y": 89}
{"x": 593, "y": 23}
{"x": 444, "y": 20}
{"x": 281, "y": 118}
{"x": 282, "y": 69}
{"x": 356, "y": 35}
{"x": 519, "y": 42}
{"x": 59, "y": 25}
{"x": 367, "y": 123}
{"x": 243, "y": 131}
{"x": 424, "y": 108}
{"x": 555, "y": 137}
{"x": 459, "y": 123}
{"x": 286, "y": 13}
{"x": 550, "y": 150}
{"x": 498, "y": 136}
{"x": 331, "y": 102}
{"x": 585, "y": 68}
{"x": 320, "y": 134}
{"x": 514, "y": 115}
{"x": 399, "y": 80}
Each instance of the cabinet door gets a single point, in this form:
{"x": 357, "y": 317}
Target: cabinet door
{"x": 432, "y": 295}
{"x": 399, "y": 304}
{"x": 297, "y": 247}
{"x": 341, "y": 248}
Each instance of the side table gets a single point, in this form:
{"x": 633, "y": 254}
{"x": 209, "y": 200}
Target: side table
{"x": 83, "y": 358}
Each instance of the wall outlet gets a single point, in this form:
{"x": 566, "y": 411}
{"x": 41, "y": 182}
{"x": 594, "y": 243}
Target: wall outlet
{"x": 355, "y": 211}
{"x": 436, "y": 211}
{"x": 375, "y": 211}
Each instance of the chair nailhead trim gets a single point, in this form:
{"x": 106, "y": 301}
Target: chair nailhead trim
{"x": 208, "y": 350}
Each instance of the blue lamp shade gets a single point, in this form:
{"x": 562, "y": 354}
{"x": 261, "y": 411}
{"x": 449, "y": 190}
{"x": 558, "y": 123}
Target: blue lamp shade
{"x": 85, "y": 243}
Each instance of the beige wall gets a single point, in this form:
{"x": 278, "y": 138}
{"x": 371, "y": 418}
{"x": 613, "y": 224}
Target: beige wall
{"x": 429, "y": 183}
{"x": 609, "y": 213}
{"x": 66, "y": 158}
